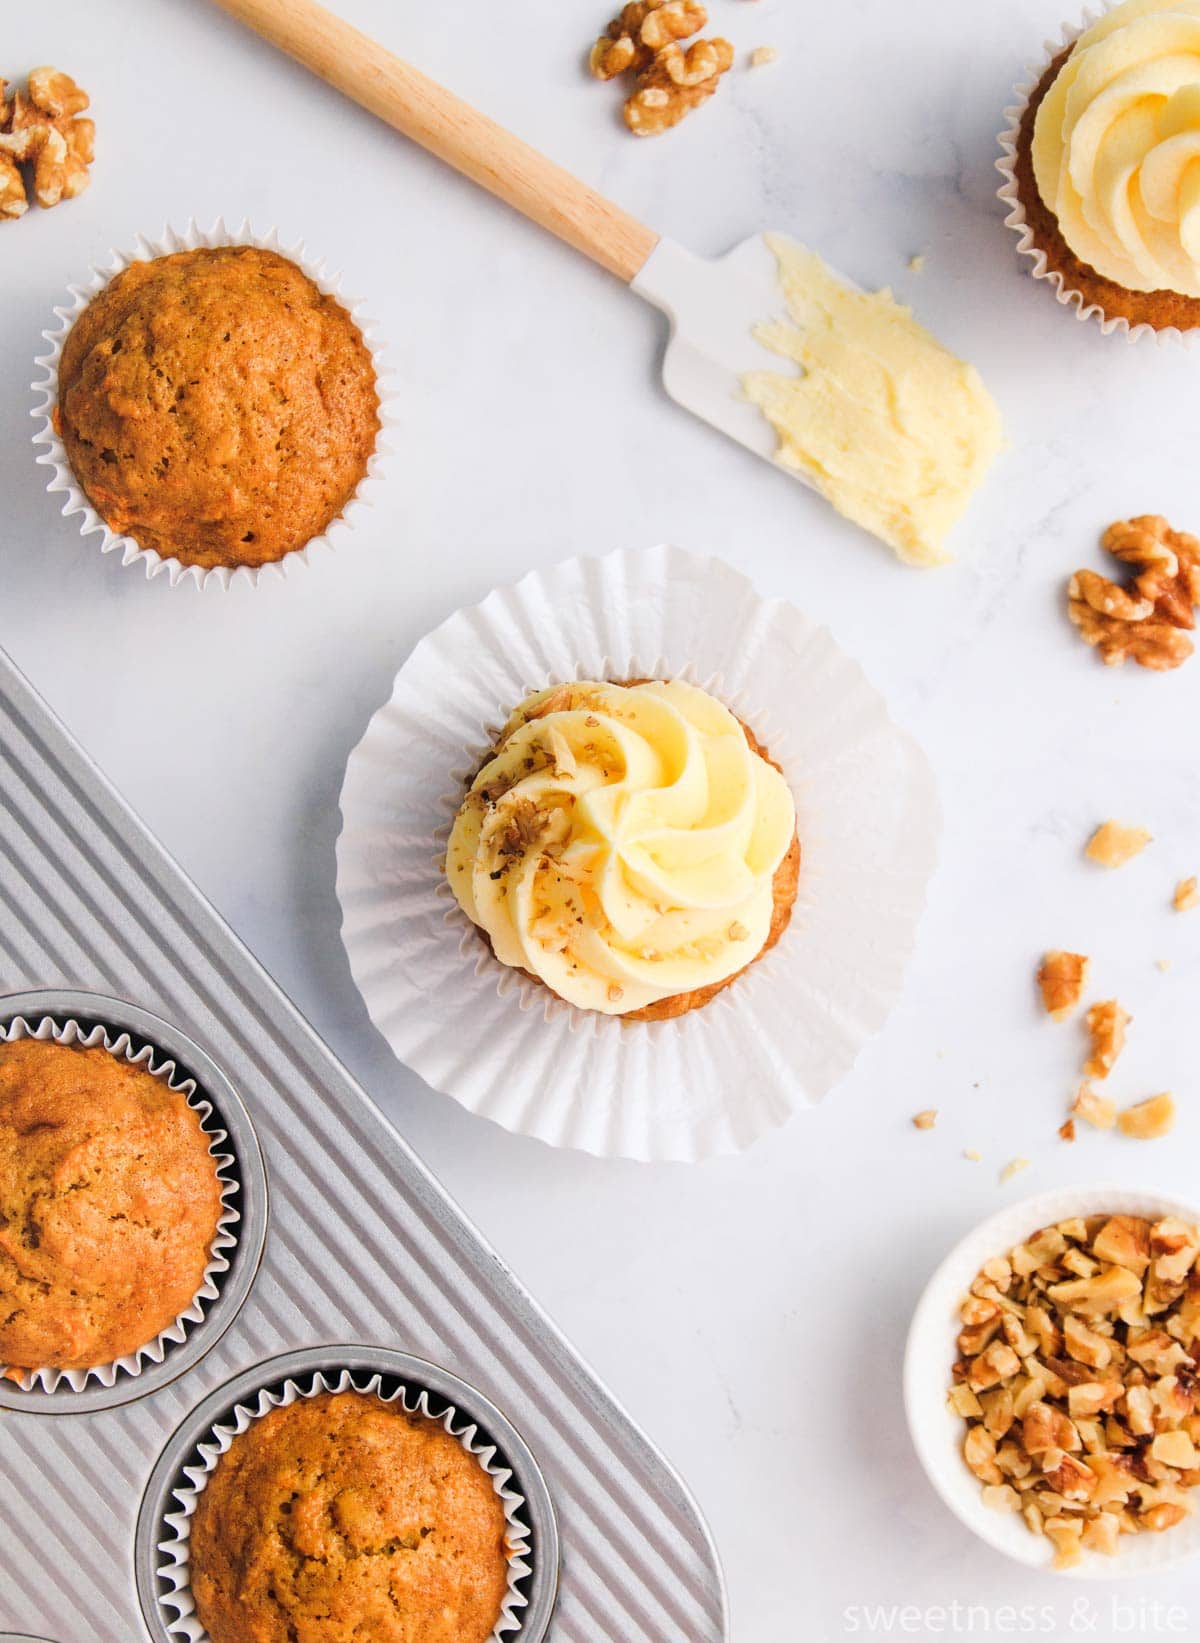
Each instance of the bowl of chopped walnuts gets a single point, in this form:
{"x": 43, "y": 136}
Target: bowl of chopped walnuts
{"x": 1052, "y": 1381}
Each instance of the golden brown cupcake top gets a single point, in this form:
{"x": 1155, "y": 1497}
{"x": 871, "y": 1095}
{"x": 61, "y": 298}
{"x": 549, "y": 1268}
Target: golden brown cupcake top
{"x": 216, "y": 406}
{"x": 344, "y": 1517}
{"x": 109, "y": 1203}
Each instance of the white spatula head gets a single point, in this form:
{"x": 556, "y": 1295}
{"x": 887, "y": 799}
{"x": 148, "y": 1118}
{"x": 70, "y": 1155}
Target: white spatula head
{"x": 713, "y": 306}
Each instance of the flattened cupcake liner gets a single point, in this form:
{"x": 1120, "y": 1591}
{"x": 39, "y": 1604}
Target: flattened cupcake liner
{"x": 48, "y": 1028}
{"x": 174, "y": 1568}
{"x": 789, "y": 1028}
{"x": 1085, "y": 308}
{"x": 54, "y": 455}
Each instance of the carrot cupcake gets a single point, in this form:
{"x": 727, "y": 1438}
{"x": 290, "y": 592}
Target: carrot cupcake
{"x": 216, "y": 406}
{"x": 633, "y": 847}
{"x": 1104, "y": 168}
{"x": 109, "y": 1204}
{"x": 345, "y": 1516}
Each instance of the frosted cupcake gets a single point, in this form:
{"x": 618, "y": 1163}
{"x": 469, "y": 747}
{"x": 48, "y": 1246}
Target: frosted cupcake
{"x": 631, "y": 846}
{"x": 1104, "y": 167}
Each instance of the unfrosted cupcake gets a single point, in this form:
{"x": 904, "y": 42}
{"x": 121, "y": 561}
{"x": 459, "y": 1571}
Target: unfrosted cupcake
{"x": 344, "y": 1517}
{"x": 110, "y": 1201}
{"x": 633, "y": 847}
{"x": 1104, "y": 162}
{"x": 216, "y": 406}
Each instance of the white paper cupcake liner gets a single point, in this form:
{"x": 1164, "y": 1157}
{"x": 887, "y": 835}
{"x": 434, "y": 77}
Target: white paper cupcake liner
{"x": 787, "y": 1030}
{"x": 1008, "y": 139}
{"x": 174, "y": 1569}
{"x": 54, "y": 455}
{"x": 48, "y": 1028}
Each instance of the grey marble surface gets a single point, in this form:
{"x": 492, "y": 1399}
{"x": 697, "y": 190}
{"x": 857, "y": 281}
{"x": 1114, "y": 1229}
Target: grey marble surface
{"x": 751, "y": 1313}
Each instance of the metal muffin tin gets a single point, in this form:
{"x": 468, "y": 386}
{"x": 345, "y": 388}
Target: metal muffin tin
{"x": 251, "y": 1201}
{"x": 361, "y": 1245}
{"x": 541, "y": 1588}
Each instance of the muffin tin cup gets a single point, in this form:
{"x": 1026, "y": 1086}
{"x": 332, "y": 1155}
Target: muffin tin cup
{"x": 164, "y": 1528}
{"x": 53, "y": 454}
{"x": 138, "y": 1039}
{"x": 782, "y": 1035}
{"x": 1084, "y": 307}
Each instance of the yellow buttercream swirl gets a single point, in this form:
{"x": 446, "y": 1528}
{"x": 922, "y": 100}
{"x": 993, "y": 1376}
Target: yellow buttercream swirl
{"x": 1116, "y": 146}
{"x": 620, "y": 843}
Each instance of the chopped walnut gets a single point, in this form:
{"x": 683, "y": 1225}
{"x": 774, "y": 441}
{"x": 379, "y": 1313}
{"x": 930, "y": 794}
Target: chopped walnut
{"x": 926, "y": 1119}
{"x": 1144, "y": 619}
{"x": 43, "y": 128}
{"x": 1113, "y": 844}
{"x": 677, "y": 82}
{"x": 1148, "y": 1120}
{"x": 1187, "y": 895}
{"x": 762, "y": 55}
{"x": 1106, "y": 1023}
{"x": 1098, "y": 1110}
{"x": 1062, "y": 978}
{"x": 1013, "y": 1167}
{"x": 1077, "y": 1378}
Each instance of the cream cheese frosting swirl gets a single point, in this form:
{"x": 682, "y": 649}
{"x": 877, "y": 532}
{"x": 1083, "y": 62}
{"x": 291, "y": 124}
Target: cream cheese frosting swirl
{"x": 1116, "y": 146}
{"x": 620, "y": 843}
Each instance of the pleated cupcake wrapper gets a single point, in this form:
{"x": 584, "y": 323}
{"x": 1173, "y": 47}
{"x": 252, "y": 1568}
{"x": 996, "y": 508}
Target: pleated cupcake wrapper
{"x": 174, "y": 1568}
{"x": 53, "y": 1029}
{"x": 784, "y": 1032}
{"x": 1009, "y": 138}
{"x": 54, "y": 455}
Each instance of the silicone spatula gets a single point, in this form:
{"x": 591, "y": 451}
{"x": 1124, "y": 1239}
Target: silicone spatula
{"x": 712, "y": 305}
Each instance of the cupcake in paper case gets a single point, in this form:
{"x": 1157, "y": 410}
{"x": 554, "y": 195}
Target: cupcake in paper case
{"x": 1103, "y": 168}
{"x": 212, "y": 407}
{"x": 630, "y": 846}
{"x": 344, "y": 1514}
{"x": 111, "y": 1207}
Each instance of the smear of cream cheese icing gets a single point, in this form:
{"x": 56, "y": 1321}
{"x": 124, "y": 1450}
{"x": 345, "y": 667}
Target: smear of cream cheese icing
{"x": 887, "y": 424}
{"x": 620, "y": 843}
{"x": 1116, "y": 146}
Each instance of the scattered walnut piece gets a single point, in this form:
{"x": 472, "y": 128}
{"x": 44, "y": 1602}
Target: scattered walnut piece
{"x": 1066, "y": 1131}
{"x": 677, "y": 82}
{"x": 926, "y": 1119}
{"x": 1106, "y": 1023}
{"x": 762, "y": 55}
{"x": 1100, "y": 1111}
{"x": 1187, "y": 895}
{"x": 1113, "y": 844}
{"x": 1148, "y": 1120}
{"x": 1062, "y": 978}
{"x": 1144, "y": 619}
{"x": 1079, "y": 1383}
{"x": 42, "y": 128}
{"x": 972, "y": 1155}
{"x": 1013, "y": 1167}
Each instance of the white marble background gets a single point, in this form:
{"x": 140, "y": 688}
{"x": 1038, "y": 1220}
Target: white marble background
{"x": 751, "y": 1313}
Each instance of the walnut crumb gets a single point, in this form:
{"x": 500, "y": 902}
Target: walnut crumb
{"x": 1187, "y": 895}
{"x": 1113, "y": 844}
{"x": 973, "y": 1155}
{"x": 926, "y": 1119}
{"x": 1100, "y": 1111}
{"x": 1148, "y": 1120}
{"x": 1106, "y": 1023}
{"x": 1062, "y": 978}
{"x": 1066, "y": 1131}
{"x": 1013, "y": 1167}
{"x": 762, "y": 55}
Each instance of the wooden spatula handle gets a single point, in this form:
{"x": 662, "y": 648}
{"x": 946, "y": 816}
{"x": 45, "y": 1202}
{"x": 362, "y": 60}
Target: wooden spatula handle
{"x": 454, "y": 131}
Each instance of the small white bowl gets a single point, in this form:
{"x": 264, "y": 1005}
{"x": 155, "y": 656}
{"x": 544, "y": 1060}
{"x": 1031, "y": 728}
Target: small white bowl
{"x": 937, "y": 1432}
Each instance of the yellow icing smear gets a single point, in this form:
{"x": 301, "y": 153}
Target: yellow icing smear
{"x": 890, "y": 427}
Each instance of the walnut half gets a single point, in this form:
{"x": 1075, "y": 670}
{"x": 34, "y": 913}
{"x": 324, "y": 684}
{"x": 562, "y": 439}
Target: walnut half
{"x": 1142, "y": 620}
{"x": 43, "y": 129}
